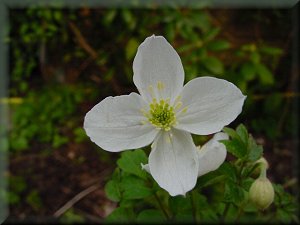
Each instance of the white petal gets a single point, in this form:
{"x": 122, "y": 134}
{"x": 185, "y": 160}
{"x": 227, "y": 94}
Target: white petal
{"x": 156, "y": 63}
{"x": 115, "y": 124}
{"x": 173, "y": 162}
{"x": 212, "y": 154}
{"x": 210, "y": 105}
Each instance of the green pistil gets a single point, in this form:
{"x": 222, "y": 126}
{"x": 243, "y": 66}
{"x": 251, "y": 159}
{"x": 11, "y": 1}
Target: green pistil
{"x": 161, "y": 115}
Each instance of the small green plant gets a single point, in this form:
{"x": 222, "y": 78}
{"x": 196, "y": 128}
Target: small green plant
{"x": 221, "y": 195}
{"x": 44, "y": 116}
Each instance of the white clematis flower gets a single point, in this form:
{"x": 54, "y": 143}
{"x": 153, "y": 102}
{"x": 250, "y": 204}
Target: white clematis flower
{"x": 210, "y": 156}
{"x": 165, "y": 113}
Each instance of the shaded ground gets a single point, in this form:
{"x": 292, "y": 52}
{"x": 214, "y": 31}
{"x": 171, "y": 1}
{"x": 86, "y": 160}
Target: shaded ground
{"x": 59, "y": 177}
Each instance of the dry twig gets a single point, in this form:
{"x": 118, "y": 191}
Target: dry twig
{"x": 75, "y": 199}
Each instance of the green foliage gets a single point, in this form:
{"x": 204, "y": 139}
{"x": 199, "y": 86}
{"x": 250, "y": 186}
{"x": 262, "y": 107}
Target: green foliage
{"x": 18, "y": 189}
{"x": 202, "y": 45}
{"x": 241, "y": 144}
{"x": 43, "y": 115}
{"x": 221, "y": 195}
{"x": 17, "y": 186}
{"x": 286, "y": 206}
{"x": 71, "y": 217}
{"x": 34, "y": 200}
{"x": 150, "y": 216}
{"x": 131, "y": 163}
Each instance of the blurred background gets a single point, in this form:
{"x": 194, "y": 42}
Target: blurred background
{"x": 63, "y": 61}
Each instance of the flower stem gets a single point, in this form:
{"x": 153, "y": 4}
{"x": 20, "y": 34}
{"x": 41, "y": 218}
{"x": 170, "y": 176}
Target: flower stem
{"x": 193, "y": 206}
{"x": 240, "y": 213}
{"x": 227, "y": 206}
{"x": 162, "y": 207}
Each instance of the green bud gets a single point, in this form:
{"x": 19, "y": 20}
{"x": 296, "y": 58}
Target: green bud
{"x": 261, "y": 193}
{"x": 263, "y": 161}
{"x": 263, "y": 164}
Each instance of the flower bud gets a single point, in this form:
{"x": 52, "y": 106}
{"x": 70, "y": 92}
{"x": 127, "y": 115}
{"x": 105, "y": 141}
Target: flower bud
{"x": 263, "y": 164}
{"x": 261, "y": 193}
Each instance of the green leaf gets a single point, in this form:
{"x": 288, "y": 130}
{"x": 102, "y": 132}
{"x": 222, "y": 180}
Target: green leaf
{"x": 233, "y": 193}
{"x": 218, "y": 45}
{"x": 135, "y": 188}
{"x": 271, "y": 50}
{"x": 243, "y": 133}
{"x": 79, "y": 135}
{"x": 200, "y": 201}
{"x": 59, "y": 140}
{"x": 213, "y": 65}
{"x": 13, "y": 198}
{"x": 112, "y": 190}
{"x": 264, "y": 74}
{"x": 120, "y": 215}
{"x": 228, "y": 170}
{"x": 209, "y": 179}
{"x": 130, "y": 162}
{"x": 235, "y": 147}
{"x": 247, "y": 182}
{"x": 34, "y": 200}
{"x": 209, "y": 215}
{"x": 131, "y": 47}
{"x": 211, "y": 34}
{"x": 17, "y": 184}
{"x": 255, "y": 57}
{"x": 180, "y": 205}
{"x": 248, "y": 71}
{"x": 71, "y": 217}
{"x": 129, "y": 19}
{"x": 201, "y": 19}
{"x": 151, "y": 216}
{"x": 283, "y": 216}
{"x": 231, "y": 132}
{"x": 109, "y": 16}
{"x": 255, "y": 151}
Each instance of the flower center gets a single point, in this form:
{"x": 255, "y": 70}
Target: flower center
{"x": 161, "y": 114}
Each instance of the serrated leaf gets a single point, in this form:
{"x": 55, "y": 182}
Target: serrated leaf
{"x": 218, "y": 45}
{"x": 228, "y": 170}
{"x": 255, "y": 151}
{"x": 130, "y": 162}
{"x": 233, "y": 193}
{"x": 231, "y": 132}
{"x": 235, "y": 147}
{"x": 112, "y": 190}
{"x": 151, "y": 216}
{"x": 134, "y": 188}
{"x": 243, "y": 133}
